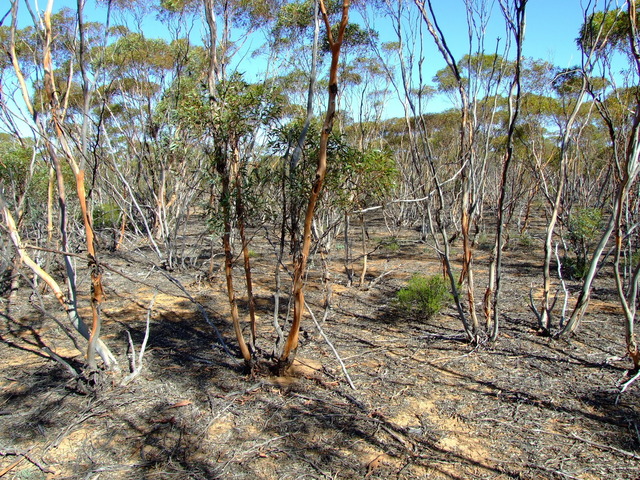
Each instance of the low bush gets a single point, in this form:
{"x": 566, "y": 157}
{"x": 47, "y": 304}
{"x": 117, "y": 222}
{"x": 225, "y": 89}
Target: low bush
{"x": 392, "y": 245}
{"x": 424, "y": 296}
{"x": 106, "y": 216}
{"x": 584, "y": 227}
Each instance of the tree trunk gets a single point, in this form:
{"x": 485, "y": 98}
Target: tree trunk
{"x": 363, "y": 274}
{"x": 224, "y": 170}
{"x": 492, "y": 295}
{"x": 291, "y": 345}
{"x": 240, "y": 213}
{"x": 69, "y": 305}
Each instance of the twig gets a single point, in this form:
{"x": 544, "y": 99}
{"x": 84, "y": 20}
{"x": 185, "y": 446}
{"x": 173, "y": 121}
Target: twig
{"x": 375, "y": 281}
{"x": 573, "y": 436}
{"x": 132, "y": 352}
{"x": 59, "y": 252}
{"x": 607, "y": 447}
{"x": 7, "y": 469}
{"x": 536, "y": 467}
{"x": 86, "y": 415}
{"x": 333, "y": 349}
{"x": 532, "y": 306}
{"x": 24, "y": 455}
{"x": 626, "y": 385}
{"x": 43, "y": 311}
{"x": 136, "y": 369}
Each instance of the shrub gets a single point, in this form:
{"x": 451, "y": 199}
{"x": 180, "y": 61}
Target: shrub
{"x": 392, "y": 245}
{"x": 573, "y": 268}
{"x": 525, "y": 240}
{"x": 584, "y": 227}
{"x": 106, "y": 216}
{"x": 424, "y": 296}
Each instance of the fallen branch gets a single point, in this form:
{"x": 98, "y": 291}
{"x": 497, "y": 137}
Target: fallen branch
{"x": 573, "y": 436}
{"x": 333, "y": 349}
{"x": 23, "y": 455}
{"x": 626, "y": 385}
{"x": 607, "y": 447}
{"x": 10, "y": 467}
{"x": 375, "y": 281}
{"x": 535, "y": 466}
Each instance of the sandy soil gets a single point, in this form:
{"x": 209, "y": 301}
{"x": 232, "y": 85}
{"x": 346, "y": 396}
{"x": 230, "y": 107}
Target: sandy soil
{"x": 426, "y": 404}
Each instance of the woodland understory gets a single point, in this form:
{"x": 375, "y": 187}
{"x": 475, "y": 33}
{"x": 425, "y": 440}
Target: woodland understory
{"x": 426, "y": 404}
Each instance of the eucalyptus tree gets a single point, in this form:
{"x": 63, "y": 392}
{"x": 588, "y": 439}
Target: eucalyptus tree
{"x": 460, "y": 159}
{"x": 360, "y": 105}
{"x": 476, "y": 80}
{"x": 141, "y": 72}
{"x": 335, "y": 43}
{"x": 34, "y": 70}
{"x": 617, "y": 28}
{"x": 24, "y": 185}
{"x": 362, "y": 180}
{"x": 427, "y": 178}
{"x": 534, "y": 141}
{"x": 514, "y": 15}
{"x": 234, "y": 113}
{"x": 297, "y": 29}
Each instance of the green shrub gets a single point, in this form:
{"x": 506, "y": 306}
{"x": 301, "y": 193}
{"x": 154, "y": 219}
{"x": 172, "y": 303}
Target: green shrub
{"x": 573, "y": 268}
{"x": 525, "y": 240}
{"x": 584, "y": 225}
{"x": 424, "y": 296}
{"x": 106, "y": 216}
{"x": 392, "y": 245}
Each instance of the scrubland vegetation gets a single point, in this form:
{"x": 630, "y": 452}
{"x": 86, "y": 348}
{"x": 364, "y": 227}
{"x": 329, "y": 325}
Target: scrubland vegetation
{"x": 210, "y": 273}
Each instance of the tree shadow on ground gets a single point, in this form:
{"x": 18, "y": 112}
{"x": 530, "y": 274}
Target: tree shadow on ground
{"x": 338, "y": 435}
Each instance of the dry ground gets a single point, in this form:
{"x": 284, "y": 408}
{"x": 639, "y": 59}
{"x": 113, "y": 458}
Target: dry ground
{"x": 426, "y": 404}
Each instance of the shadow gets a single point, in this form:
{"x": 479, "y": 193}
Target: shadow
{"x": 193, "y": 413}
{"x": 24, "y": 335}
{"x": 358, "y": 438}
{"x": 181, "y": 347}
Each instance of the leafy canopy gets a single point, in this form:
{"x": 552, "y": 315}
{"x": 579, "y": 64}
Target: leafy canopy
{"x": 606, "y": 31}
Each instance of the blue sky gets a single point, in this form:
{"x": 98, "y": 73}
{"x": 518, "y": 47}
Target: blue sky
{"x": 551, "y": 29}
{"x": 552, "y": 26}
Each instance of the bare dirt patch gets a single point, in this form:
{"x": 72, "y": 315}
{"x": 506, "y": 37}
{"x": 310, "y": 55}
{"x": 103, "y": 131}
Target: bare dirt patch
{"x": 427, "y": 405}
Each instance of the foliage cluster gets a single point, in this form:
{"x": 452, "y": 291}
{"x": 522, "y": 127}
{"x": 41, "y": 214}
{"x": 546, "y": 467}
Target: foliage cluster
{"x": 424, "y": 296}
{"x": 584, "y": 226}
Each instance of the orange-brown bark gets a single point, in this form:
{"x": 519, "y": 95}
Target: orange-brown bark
{"x": 300, "y": 268}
